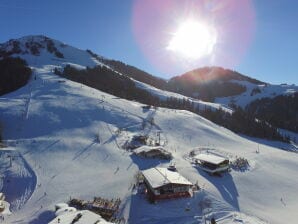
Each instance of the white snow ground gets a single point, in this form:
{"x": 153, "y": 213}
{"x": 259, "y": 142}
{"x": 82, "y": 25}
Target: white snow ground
{"x": 54, "y": 128}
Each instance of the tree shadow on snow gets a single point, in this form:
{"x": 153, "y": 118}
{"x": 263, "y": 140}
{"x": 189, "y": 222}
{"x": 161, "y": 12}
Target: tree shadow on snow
{"x": 43, "y": 218}
{"x": 225, "y": 185}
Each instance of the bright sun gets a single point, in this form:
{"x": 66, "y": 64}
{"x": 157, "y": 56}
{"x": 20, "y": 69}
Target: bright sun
{"x": 193, "y": 40}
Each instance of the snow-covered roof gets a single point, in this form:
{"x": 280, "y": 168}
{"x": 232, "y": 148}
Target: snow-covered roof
{"x": 210, "y": 158}
{"x": 6, "y": 206}
{"x": 87, "y": 217}
{"x": 7, "y": 149}
{"x": 146, "y": 148}
{"x": 159, "y": 176}
{"x": 65, "y": 210}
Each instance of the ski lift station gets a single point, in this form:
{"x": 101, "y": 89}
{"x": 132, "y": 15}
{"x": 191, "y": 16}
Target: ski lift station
{"x": 212, "y": 163}
{"x": 162, "y": 183}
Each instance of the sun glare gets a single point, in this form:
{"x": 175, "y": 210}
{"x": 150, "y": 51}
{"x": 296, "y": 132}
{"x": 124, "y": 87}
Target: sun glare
{"x": 193, "y": 40}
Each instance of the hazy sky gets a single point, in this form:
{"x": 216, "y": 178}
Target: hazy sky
{"x": 257, "y": 38}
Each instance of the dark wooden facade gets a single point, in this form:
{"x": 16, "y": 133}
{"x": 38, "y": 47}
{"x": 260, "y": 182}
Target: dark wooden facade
{"x": 168, "y": 191}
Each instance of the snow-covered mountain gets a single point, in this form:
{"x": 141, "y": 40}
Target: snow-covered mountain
{"x": 275, "y": 104}
{"x": 41, "y": 50}
{"x": 66, "y": 142}
{"x": 231, "y": 86}
{"x": 226, "y": 86}
{"x": 42, "y": 55}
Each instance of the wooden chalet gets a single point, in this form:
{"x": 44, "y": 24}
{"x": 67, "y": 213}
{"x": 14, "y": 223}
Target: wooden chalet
{"x": 162, "y": 183}
{"x": 153, "y": 152}
{"x": 104, "y": 207}
{"x": 212, "y": 163}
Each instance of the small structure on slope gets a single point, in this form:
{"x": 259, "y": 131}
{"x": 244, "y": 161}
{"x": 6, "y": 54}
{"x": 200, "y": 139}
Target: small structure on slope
{"x": 135, "y": 142}
{"x": 153, "y": 152}
{"x": 104, "y": 207}
{"x": 172, "y": 167}
{"x": 212, "y": 163}
{"x": 162, "y": 183}
{"x": 2, "y": 205}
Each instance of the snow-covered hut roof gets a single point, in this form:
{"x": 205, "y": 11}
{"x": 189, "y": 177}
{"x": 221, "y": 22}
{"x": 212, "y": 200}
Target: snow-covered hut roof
{"x": 146, "y": 148}
{"x": 61, "y": 205}
{"x": 210, "y": 158}
{"x": 159, "y": 176}
{"x": 65, "y": 210}
{"x": 86, "y": 217}
{"x": 7, "y": 149}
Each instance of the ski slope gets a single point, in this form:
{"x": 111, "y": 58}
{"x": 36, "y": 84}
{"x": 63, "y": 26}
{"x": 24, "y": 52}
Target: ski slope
{"x": 53, "y": 124}
{"x": 67, "y": 142}
{"x": 81, "y": 59}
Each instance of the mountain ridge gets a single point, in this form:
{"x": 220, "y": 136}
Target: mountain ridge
{"x": 226, "y": 88}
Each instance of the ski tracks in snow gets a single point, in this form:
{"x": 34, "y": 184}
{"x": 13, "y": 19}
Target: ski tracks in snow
{"x": 19, "y": 180}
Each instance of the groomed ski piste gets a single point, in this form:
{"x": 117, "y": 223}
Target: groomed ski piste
{"x": 64, "y": 142}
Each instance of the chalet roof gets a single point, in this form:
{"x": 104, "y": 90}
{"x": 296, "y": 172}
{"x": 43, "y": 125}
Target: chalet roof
{"x": 85, "y": 217}
{"x": 159, "y": 176}
{"x": 210, "y": 158}
{"x": 146, "y": 148}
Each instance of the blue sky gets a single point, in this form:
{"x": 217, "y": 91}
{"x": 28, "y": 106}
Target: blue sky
{"x": 105, "y": 27}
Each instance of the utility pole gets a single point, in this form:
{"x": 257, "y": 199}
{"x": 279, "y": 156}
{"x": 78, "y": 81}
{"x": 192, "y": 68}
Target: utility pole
{"x": 11, "y": 157}
{"x": 158, "y": 134}
{"x": 98, "y": 138}
{"x": 10, "y": 160}
{"x": 258, "y": 150}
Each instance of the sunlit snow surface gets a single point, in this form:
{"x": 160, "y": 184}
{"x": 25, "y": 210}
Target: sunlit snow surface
{"x": 67, "y": 145}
